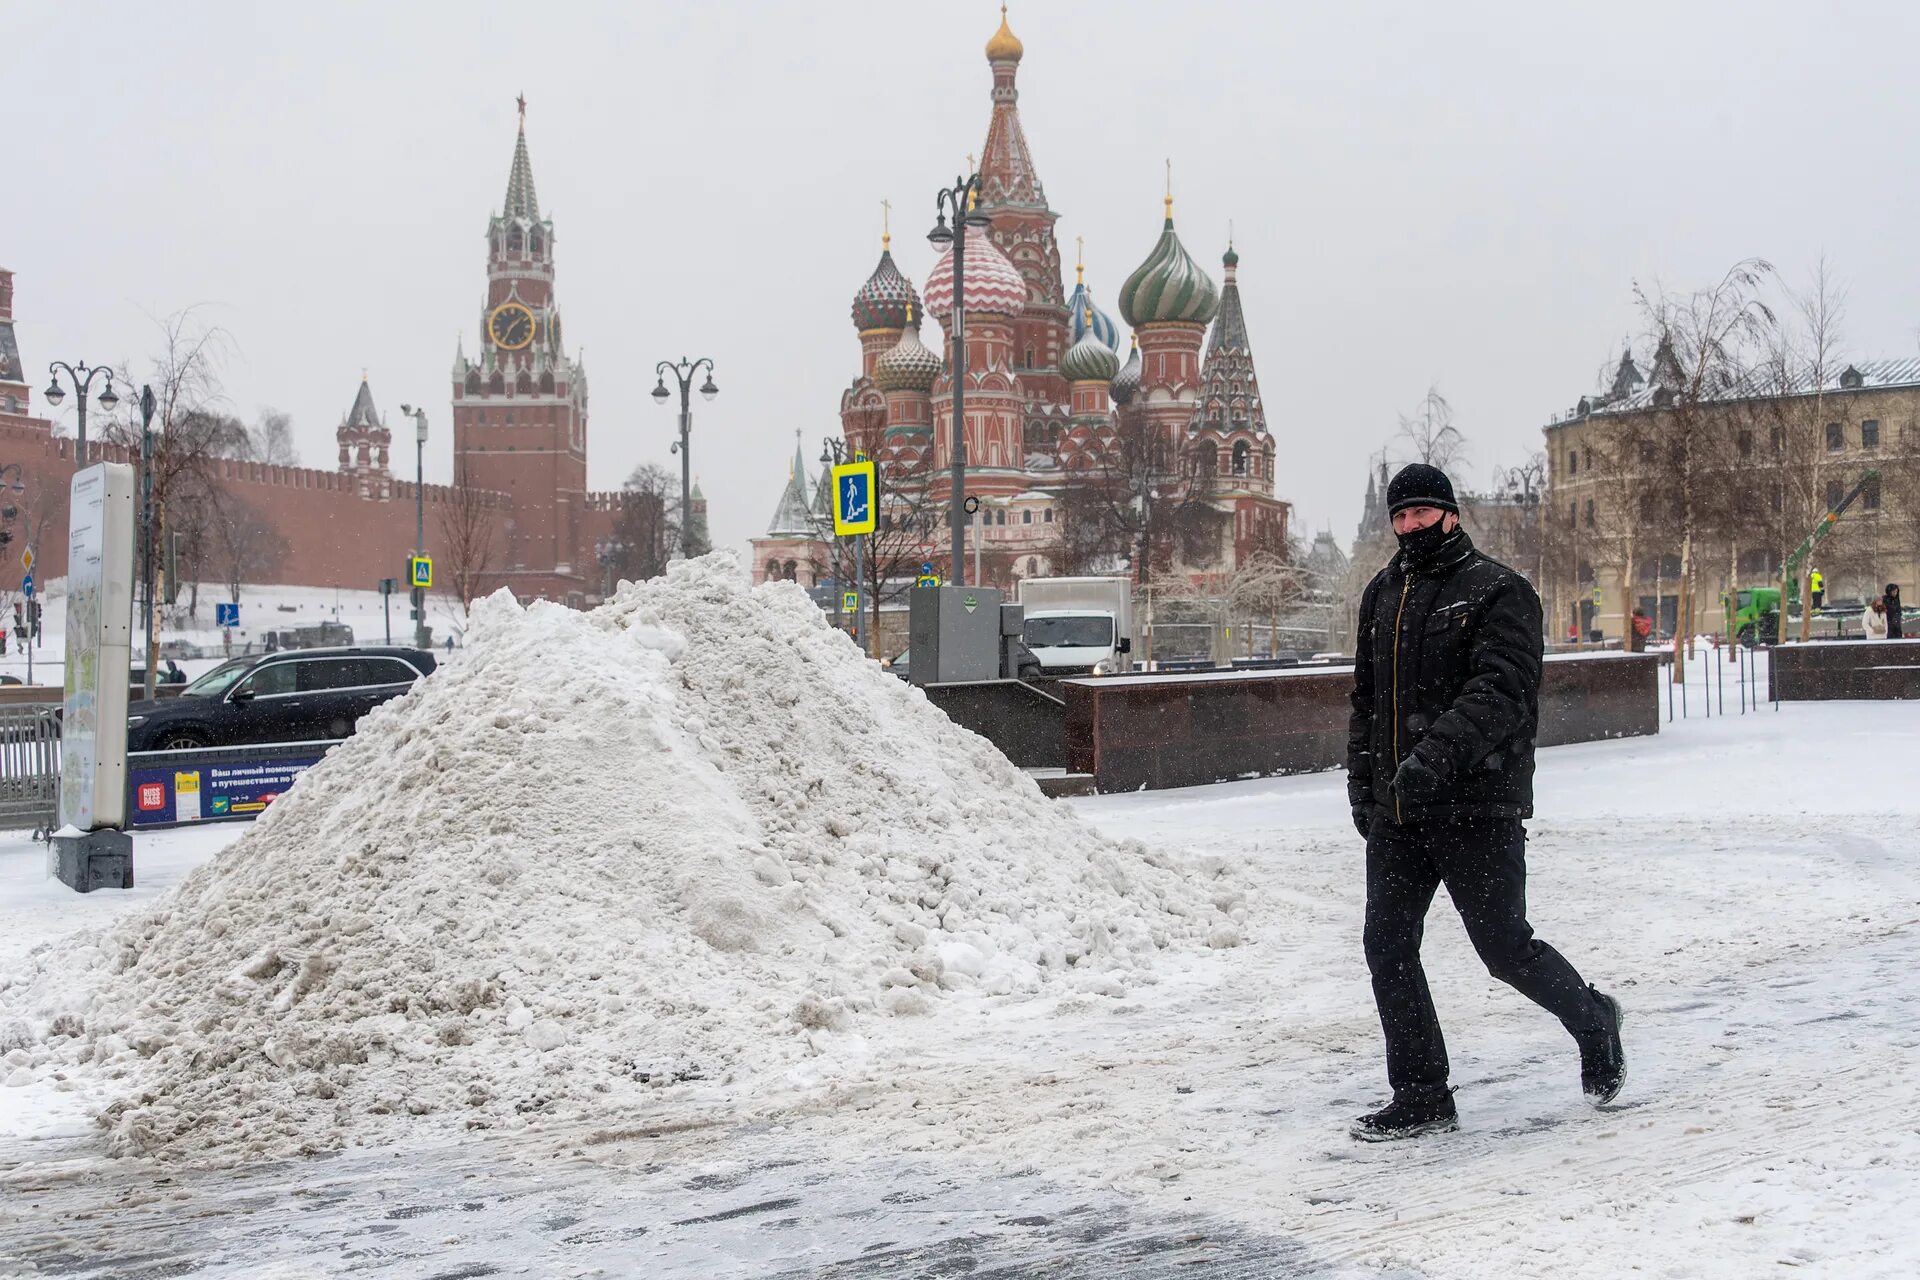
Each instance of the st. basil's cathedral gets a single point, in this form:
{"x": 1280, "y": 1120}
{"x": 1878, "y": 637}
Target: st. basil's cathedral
{"x": 1044, "y": 380}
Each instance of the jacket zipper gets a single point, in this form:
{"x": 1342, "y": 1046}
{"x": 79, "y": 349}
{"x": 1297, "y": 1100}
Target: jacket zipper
{"x": 1405, "y": 583}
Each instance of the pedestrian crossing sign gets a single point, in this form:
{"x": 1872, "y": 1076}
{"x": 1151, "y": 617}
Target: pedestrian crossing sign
{"x": 850, "y": 601}
{"x": 421, "y": 570}
{"x": 853, "y": 490}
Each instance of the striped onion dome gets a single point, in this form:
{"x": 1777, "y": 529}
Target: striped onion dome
{"x": 1090, "y": 359}
{"x": 1169, "y": 287}
{"x": 1126, "y": 383}
{"x": 884, "y": 299}
{"x": 1078, "y": 323}
{"x": 907, "y": 365}
{"x": 993, "y": 283}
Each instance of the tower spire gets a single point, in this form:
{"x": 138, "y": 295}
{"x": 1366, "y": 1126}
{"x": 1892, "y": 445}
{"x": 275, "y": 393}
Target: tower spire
{"x": 521, "y": 202}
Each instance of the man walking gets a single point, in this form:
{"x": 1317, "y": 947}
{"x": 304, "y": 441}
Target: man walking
{"x": 1440, "y": 774}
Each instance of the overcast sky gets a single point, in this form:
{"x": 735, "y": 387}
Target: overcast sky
{"x": 1459, "y": 195}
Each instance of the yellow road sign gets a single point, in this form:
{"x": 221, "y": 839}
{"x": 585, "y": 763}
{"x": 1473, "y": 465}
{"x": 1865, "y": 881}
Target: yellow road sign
{"x": 421, "y": 570}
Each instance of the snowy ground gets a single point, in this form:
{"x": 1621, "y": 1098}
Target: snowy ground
{"x": 1744, "y": 883}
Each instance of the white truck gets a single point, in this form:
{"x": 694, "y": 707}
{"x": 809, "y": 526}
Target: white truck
{"x": 1078, "y": 626}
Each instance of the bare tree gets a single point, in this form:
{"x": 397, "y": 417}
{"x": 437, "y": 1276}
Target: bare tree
{"x": 189, "y": 431}
{"x": 466, "y": 522}
{"x": 270, "y": 440}
{"x": 1709, "y": 341}
{"x": 1429, "y": 435}
{"x": 245, "y": 545}
{"x": 646, "y": 528}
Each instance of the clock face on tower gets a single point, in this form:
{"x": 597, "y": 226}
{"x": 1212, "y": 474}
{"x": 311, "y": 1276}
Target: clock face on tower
{"x": 510, "y": 326}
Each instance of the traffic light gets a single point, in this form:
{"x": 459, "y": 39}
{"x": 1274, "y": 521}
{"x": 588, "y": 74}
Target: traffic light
{"x": 33, "y": 612}
{"x": 19, "y": 620}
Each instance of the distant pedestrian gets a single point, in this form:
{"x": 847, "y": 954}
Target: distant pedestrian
{"x": 1896, "y": 628}
{"x": 1446, "y": 702}
{"x": 1817, "y": 588}
{"x": 226, "y": 642}
{"x": 449, "y": 644}
{"x": 173, "y": 673}
{"x": 1874, "y": 619}
{"x": 1639, "y": 627}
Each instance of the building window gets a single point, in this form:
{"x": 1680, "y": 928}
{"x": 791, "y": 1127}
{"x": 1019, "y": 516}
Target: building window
{"x": 1836, "y": 437}
{"x": 1777, "y": 440}
{"x": 1589, "y": 513}
{"x": 1000, "y": 516}
{"x": 1870, "y": 494}
{"x": 1646, "y": 506}
{"x": 1026, "y": 517}
{"x": 1779, "y": 499}
{"x": 1573, "y": 514}
{"x": 1049, "y": 518}
{"x": 1835, "y": 491}
{"x": 773, "y": 571}
{"x": 1870, "y": 434}
{"x": 1745, "y": 443}
{"x": 1029, "y": 357}
{"x": 1240, "y": 455}
{"x": 1573, "y": 462}
{"x": 1647, "y": 451}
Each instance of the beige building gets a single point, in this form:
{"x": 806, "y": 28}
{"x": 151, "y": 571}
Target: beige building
{"x": 1752, "y": 471}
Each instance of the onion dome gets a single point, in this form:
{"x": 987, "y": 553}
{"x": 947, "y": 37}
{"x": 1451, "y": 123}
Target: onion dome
{"x": 884, "y": 299}
{"x": 1126, "y": 383}
{"x": 1169, "y": 287}
{"x": 907, "y": 365}
{"x": 1004, "y": 47}
{"x": 1090, "y": 359}
{"x": 1082, "y": 315}
{"x": 993, "y": 283}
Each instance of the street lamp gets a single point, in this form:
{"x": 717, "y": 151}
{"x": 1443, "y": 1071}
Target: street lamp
{"x": 419, "y": 417}
{"x": 683, "y": 374}
{"x": 960, "y": 199}
{"x": 607, "y": 551}
{"x": 82, "y": 379}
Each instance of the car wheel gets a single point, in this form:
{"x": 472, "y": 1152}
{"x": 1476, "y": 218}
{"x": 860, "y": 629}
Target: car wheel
{"x": 182, "y": 740}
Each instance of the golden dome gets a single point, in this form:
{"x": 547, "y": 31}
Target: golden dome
{"x": 1005, "y": 46}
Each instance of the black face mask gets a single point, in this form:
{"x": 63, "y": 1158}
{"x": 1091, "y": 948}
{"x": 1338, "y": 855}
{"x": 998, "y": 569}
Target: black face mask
{"x": 1421, "y": 545}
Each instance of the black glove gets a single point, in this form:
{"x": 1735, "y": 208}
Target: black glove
{"x": 1416, "y": 781}
{"x": 1363, "y": 820}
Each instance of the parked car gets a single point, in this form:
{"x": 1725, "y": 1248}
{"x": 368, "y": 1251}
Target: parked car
{"x": 309, "y": 695}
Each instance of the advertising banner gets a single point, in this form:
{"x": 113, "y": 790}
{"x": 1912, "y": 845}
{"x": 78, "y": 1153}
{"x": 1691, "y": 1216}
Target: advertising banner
{"x": 173, "y": 787}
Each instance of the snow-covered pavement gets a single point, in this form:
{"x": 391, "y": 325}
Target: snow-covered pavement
{"x": 1746, "y": 884}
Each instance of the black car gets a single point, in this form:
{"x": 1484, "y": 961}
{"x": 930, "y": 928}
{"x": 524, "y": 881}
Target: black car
{"x": 310, "y": 695}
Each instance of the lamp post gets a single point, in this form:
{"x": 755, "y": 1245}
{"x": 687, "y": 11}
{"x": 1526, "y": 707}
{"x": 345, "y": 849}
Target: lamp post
{"x": 607, "y": 552}
{"x": 683, "y": 372}
{"x": 419, "y": 417}
{"x": 82, "y": 379}
{"x": 959, "y": 198}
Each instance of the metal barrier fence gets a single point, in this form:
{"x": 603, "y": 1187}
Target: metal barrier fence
{"x": 29, "y": 769}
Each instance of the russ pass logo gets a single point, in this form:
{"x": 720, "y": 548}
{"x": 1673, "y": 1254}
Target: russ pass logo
{"x": 153, "y": 797}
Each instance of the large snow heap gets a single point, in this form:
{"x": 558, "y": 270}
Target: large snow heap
{"x": 688, "y": 838}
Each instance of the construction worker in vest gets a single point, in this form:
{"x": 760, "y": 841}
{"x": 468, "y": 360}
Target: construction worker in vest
{"x": 1817, "y": 588}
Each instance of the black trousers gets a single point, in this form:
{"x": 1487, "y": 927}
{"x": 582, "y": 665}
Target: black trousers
{"x": 1483, "y": 863}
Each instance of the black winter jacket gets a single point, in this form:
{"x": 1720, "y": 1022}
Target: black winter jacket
{"x": 1447, "y": 667}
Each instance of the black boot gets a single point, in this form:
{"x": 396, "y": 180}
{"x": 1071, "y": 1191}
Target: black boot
{"x": 1423, "y": 1109}
{"x": 1603, "y": 1059}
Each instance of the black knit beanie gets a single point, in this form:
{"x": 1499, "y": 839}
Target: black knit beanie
{"x": 1419, "y": 485}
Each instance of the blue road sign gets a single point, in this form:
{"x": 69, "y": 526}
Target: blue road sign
{"x": 226, "y": 615}
{"x": 853, "y": 488}
{"x": 26, "y": 585}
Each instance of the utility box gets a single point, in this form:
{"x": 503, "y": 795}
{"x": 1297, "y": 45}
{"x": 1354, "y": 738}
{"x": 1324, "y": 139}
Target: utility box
{"x": 953, "y": 634}
{"x": 1016, "y": 660}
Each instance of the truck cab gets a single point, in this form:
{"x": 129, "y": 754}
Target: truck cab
{"x": 1078, "y": 626}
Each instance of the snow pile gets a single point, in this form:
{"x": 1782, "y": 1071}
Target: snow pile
{"x": 692, "y": 836}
